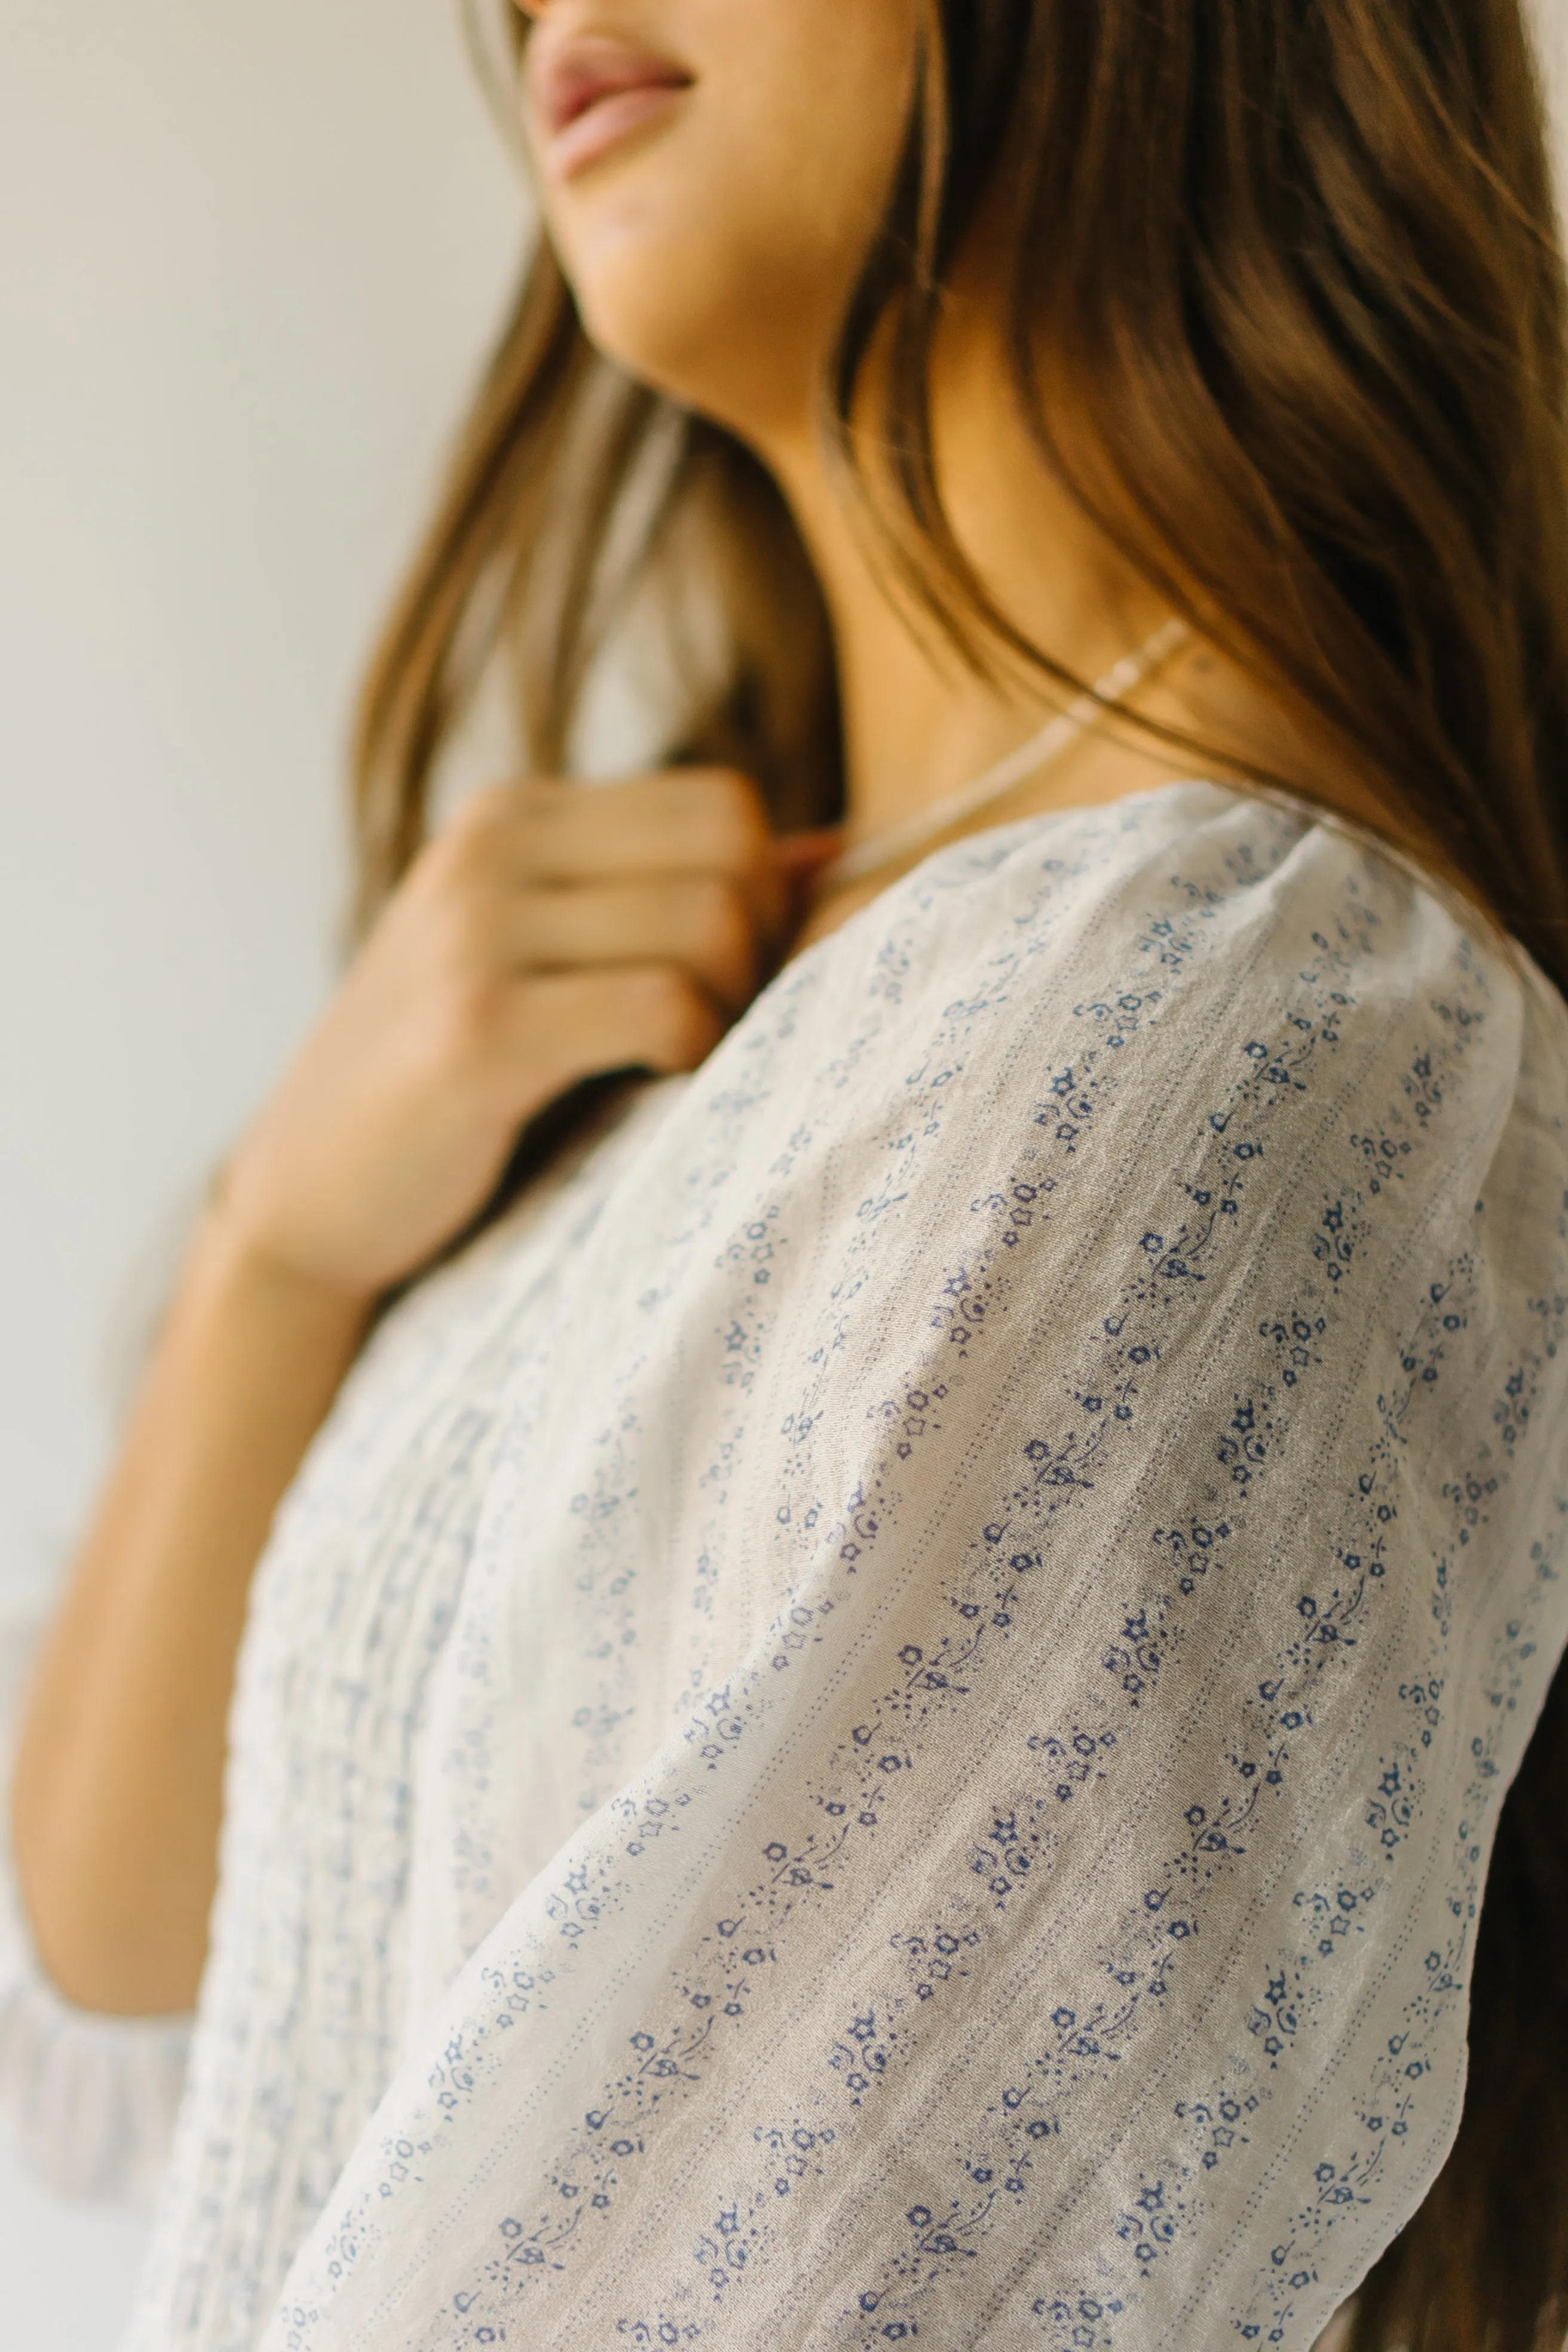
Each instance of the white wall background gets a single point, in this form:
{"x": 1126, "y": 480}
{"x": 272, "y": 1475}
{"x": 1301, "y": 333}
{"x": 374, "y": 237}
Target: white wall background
{"x": 248, "y": 256}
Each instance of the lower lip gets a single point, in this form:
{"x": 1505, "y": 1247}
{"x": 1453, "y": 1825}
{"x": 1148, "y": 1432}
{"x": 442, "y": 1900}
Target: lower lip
{"x": 608, "y": 124}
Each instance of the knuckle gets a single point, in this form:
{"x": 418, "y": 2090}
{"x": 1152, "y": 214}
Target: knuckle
{"x": 547, "y": 827}
{"x": 735, "y": 789}
{"x": 488, "y": 807}
{"x": 538, "y": 802}
{"x": 451, "y": 866}
{"x": 727, "y": 809}
{"x": 494, "y": 819}
{"x": 471, "y": 836}
{"x": 460, "y": 905}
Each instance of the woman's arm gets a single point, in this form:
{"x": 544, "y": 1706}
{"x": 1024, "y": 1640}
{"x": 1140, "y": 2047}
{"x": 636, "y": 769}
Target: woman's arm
{"x": 548, "y": 934}
{"x": 119, "y": 1776}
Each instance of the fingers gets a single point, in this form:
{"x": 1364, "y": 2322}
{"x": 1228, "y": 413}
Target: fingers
{"x": 547, "y": 936}
{"x": 558, "y": 1027}
{"x": 684, "y": 821}
{"x": 700, "y": 922}
{"x": 575, "y": 929}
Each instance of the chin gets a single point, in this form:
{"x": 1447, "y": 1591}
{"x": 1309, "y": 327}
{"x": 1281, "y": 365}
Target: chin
{"x": 704, "y": 278}
{"x": 712, "y": 176}
{"x": 729, "y": 333}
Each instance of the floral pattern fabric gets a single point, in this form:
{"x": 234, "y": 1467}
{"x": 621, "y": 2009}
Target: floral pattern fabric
{"x": 880, "y": 1720}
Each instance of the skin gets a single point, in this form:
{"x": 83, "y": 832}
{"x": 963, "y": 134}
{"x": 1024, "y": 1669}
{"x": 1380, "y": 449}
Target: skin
{"x": 548, "y": 934}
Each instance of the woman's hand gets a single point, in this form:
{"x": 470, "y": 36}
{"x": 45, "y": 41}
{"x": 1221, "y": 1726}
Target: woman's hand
{"x": 551, "y": 932}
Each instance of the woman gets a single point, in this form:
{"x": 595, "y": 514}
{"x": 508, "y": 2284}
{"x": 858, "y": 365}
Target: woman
{"x": 881, "y": 1708}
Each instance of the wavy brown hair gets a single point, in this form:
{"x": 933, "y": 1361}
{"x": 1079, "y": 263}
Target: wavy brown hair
{"x": 1298, "y": 261}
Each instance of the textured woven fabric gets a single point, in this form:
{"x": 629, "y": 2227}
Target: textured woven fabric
{"x": 881, "y": 1718}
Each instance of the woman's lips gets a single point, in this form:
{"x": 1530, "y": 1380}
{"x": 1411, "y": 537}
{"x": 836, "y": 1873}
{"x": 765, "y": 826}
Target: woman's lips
{"x": 592, "y": 92}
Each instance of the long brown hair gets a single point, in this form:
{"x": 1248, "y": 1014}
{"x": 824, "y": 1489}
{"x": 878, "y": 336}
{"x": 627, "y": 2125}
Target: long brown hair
{"x": 1299, "y": 260}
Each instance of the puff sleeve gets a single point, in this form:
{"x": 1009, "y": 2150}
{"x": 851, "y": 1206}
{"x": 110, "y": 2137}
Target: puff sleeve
{"x": 1104, "y": 1576}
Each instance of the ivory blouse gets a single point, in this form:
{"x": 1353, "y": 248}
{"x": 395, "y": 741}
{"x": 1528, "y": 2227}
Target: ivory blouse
{"x": 880, "y": 1719}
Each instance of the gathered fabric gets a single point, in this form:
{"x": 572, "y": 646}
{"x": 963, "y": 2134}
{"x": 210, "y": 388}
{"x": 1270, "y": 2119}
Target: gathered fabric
{"x": 880, "y": 1717}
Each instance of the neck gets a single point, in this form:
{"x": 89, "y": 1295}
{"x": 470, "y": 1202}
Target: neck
{"x": 919, "y": 721}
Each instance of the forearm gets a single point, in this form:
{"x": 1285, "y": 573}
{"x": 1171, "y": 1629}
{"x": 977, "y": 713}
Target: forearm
{"x": 119, "y": 1774}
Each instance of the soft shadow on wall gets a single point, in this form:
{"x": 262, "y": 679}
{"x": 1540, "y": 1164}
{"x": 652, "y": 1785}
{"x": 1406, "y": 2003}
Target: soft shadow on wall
{"x": 251, "y": 256}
